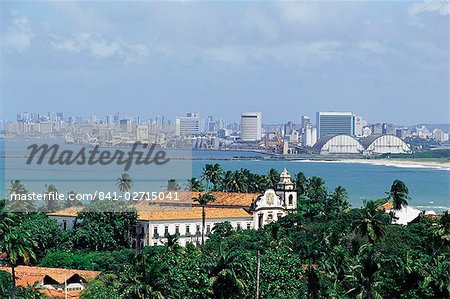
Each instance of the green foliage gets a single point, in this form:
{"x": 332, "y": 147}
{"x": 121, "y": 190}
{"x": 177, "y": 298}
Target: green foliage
{"x": 430, "y": 154}
{"x": 323, "y": 250}
{"x": 105, "y": 261}
{"x": 29, "y": 292}
{"x": 46, "y": 233}
{"x": 104, "y": 228}
{"x": 399, "y": 194}
{"x": 212, "y": 174}
{"x": 172, "y": 185}
{"x": 104, "y": 286}
{"x": 194, "y": 184}
{"x": 124, "y": 182}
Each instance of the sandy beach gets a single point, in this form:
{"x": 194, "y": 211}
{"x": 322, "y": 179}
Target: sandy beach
{"x": 402, "y": 163}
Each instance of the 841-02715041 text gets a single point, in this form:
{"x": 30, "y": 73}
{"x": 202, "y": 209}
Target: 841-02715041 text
{"x": 137, "y": 195}
{"x": 98, "y": 195}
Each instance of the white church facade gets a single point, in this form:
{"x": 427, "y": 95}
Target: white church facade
{"x": 243, "y": 210}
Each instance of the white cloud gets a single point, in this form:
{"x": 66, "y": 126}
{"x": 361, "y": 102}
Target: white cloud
{"x": 99, "y": 47}
{"x": 295, "y": 12}
{"x": 18, "y": 35}
{"x": 441, "y": 7}
{"x": 288, "y": 54}
{"x": 374, "y": 47}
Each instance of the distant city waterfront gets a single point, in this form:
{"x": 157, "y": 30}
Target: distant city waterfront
{"x": 429, "y": 188}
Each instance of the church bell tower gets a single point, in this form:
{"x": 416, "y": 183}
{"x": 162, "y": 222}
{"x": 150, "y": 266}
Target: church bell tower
{"x": 286, "y": 191}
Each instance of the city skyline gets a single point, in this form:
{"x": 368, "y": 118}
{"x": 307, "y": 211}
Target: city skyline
{"x": 297, "y": 57}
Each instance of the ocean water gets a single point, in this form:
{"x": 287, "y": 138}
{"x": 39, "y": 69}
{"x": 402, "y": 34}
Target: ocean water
{"x": 429, "y": 188}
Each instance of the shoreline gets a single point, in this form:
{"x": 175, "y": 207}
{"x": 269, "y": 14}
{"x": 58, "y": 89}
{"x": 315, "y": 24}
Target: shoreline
{"x": 390, "y": 162}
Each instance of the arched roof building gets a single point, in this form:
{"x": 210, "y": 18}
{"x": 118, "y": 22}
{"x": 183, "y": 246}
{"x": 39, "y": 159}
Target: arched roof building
{"x": 384, "y": 144}
{"x": 338, "y": 144}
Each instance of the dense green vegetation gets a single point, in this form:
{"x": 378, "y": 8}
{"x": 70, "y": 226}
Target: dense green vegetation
{"x": 443, "y": 154}
{"x": 325, "y": 250}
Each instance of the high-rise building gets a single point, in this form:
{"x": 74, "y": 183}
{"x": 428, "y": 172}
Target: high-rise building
{"x": 116, "y": 118}
{"x": 187, "y": 125}
{"x": 125, "y": 125}
{"x": 388, "y": 129}
{"x": 142, "y": 133}
{"x": 306, "y": 120}
{"x": 333, "y": 123}
{"x": 288, "y": 128}
{"x": 402, "y": 133}
{"x": 359, "y": 125}
{"x": 251, "y": 126}
{"x": 440, "y": 135}
{"x": 309, "y": 137}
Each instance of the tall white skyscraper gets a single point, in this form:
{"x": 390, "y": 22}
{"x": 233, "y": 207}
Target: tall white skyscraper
{"x": 251, "y": 126}
{"x": 188, "y": 125}
{"x": 309, "y": 136}
{"x": 305, "y": 121}
{"x": 359, "y": 125}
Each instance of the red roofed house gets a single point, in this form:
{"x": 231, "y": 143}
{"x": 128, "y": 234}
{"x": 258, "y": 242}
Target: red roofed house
{"x": 55, "y": 282}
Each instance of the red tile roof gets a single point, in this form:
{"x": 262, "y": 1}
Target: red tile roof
{"x": 26, "y": 275}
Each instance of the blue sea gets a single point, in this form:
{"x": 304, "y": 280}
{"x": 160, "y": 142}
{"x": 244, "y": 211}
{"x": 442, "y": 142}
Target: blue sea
{"x": 429, "y": 188}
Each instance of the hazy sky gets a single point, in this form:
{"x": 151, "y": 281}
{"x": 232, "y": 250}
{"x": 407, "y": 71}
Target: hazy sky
{"x": 388, "y": 61}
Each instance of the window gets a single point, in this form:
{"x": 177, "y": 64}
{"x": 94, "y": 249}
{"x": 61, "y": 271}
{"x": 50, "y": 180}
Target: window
{"x": 64, "y": 224}
{"x": 208, "y": 228}
{"x": 249, "y": 225}
{"x": 269, "y": 217}
{"x": 198, "y": 229}
{"x": 155, "y": 232}
{"x": 238, "y": 226}
{"x": 177, "y": 229}
{"x": 188, "y": 233}
{"x": 291, "y": 199}
{"x": 166, "y": 231}
{"x": 279, "y": 215}
{"x": 260, "y": 220}
{"x": 142, "y": 230}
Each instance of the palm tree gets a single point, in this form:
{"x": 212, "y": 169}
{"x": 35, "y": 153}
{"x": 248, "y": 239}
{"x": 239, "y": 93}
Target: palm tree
{"x": 203, "y": 200}
{"x": 371, "y": 222}
{"x": 313, "y": 282}
{"x": 339, "y": 198}
{"x": 229, "y": 274}
{"x": 399, "y": 194}
{"x": 6, "y": 219}
{"x": 52, "y": 203}
{"x": 17, "y": 245}
{"x": 172, "y": 185}
{"x": 17, "y": 188}
{"x": 124, "y": 183}
{"x": 301, "y": 182}
{"x": 364, "y": 277}
{"x": 194, "y": 184}
{"x": 274, "y": 177}
{"x": 442, "y": 230}
{"x": 72, "y": 203}
{"x": 212, "y": 174}
{"x": 316, "y": 190}
{"x": 235, "y": 181}
{"x": 139, "y": 280}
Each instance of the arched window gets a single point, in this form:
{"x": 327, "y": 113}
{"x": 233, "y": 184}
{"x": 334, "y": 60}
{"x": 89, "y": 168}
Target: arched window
{"x": 291, "y": 199}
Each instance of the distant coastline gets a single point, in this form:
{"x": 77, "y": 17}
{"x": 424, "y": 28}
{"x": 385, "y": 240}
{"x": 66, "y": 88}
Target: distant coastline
{"x": 390, "y": 162}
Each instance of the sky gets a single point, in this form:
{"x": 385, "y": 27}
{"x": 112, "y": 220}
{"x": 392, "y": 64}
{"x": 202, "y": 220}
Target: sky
{"x": 385, "y": 60}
